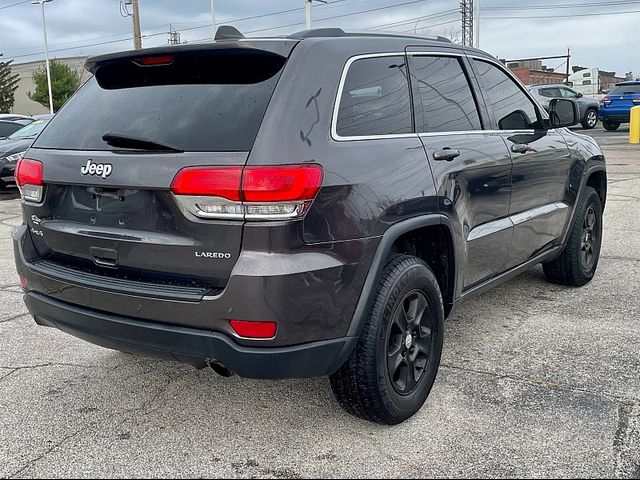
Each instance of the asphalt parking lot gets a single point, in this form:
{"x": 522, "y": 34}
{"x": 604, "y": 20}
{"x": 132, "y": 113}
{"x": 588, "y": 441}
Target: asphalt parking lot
{"x": 537, "y": 380}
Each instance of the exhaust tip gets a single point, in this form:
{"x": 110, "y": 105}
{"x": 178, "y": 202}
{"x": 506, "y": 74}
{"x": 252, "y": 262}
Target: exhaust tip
{"x": 220, "y": 369}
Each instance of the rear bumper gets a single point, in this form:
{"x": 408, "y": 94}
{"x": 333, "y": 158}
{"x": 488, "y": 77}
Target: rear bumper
{"x": 614, "y": 116}
{"x": 189, "y": 345}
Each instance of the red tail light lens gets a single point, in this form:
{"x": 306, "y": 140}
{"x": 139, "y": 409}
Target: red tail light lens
{"x": 605, "y": 101}
{"x": 254, "y": 329}
{"x": 251, "y": 193}
{"x": 281, "y": 184}
{"x": 636, "y": 100}
{"x": 28, "y": 172}
{"x": 221, "y": 182}
{"x": 29, "y": 179}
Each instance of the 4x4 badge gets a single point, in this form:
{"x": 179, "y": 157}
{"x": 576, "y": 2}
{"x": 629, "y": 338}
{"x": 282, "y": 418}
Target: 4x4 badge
{"x": 100, "y": 169}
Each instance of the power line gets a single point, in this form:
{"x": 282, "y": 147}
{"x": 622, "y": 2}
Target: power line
{"x": 15, "y": 4}
{"x": 563, "y": 16}
{"x": 566, "y": 5}
{"x": 415, "y": 19}
{"x": 150, "y": 35}
{"x": 338, "y": 16}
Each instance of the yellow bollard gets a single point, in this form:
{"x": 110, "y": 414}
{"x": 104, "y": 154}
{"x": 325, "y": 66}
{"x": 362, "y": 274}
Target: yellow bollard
{"x": 634, "y": 128}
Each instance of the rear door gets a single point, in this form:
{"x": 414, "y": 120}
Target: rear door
{"x": 471, "y": 166}
{"x": 541, "y": 163}
{"x": 109, "y": 206}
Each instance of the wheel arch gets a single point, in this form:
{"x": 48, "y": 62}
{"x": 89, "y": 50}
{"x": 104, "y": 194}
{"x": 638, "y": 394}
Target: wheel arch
{"x": 391, "y": 241}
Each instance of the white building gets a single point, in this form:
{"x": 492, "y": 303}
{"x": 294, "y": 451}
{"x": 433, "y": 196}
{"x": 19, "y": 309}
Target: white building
{"x": 23, "y": 104}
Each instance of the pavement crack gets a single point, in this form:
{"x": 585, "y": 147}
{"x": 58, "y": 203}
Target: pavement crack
{"x": 623, "y": 259}
{"x": 628, "y": 422}
{"x": 15, "y": 317}
{"x": 53, "y": 364}
{"x": 543, "y": 384}
{"x": 58, "y": 444}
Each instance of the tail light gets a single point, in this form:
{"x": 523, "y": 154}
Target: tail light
{"x": 636, "y": 100}
{"x": 605, "y": 101}
{"x": 29, "y": 179}
{"x": 252, "y": 193}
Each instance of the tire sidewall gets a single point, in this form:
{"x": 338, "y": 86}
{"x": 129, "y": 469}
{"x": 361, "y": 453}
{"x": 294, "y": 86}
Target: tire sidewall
{"x": 592, "y": 199}
{"x": 417, "y": 277}
{"x": 585, "y": 122}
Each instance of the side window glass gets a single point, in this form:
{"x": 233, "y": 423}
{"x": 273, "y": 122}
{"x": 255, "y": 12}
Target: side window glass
{"x": 566, "y": 93}
{"x": 375, "y": 98}
{"x": 444, "y": 101}
{"x": 512, "y": 108}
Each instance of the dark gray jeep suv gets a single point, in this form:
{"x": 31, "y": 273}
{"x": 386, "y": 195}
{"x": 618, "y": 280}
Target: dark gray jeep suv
{"x": 302, "y": 206}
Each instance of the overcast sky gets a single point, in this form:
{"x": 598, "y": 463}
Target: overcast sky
{"x": 84, "y": 27}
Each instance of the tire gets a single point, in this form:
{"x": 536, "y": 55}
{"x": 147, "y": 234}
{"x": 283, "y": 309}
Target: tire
{"x": 590, "y": 119}
{"x": 610, "y": 126}
{"x": 577, "y": 264}
{"x": 375, "y": 382}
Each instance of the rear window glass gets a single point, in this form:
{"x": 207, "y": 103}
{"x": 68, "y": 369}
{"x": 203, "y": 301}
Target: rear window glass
{"x": 622, "y": 89}
{"x": 211, "y": 103}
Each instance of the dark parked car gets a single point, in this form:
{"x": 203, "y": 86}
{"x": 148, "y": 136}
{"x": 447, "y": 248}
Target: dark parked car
{"x": 13, "y": 148}
{"x": 587, "y": 106}
{"x": 10, "y": 125}
{"x": 302, "y": 206}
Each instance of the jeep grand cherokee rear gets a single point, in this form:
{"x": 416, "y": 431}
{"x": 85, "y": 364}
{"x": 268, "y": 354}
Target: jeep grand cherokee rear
{"x": 137, "y": 203}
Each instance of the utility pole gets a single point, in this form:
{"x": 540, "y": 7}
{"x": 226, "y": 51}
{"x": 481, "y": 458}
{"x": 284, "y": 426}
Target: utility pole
{"x": 213, "y": 17}
{"x": 568, "y": 62}
{"x": 137, "y": 35}
{"x": 46, "y": 54}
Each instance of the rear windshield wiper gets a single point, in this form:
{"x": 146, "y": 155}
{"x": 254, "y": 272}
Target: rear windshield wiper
{"x": 122, "y": 140}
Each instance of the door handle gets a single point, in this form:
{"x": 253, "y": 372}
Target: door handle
{"x": 520, "y": 148}
{"x": 446, "y": 154}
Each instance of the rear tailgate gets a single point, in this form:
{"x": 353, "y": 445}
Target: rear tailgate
{"x": 109, "y": 209}
{"x": 623, "y": 97}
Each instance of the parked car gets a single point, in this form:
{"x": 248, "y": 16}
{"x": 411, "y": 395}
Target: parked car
{"x": 587, "y": 106}
{"x": 14, "y": 116}
{"x": 313, "y": 205}
{"x": 13, "y": 148}
{"x": 615, "y": 108}
{"x": 7, "y": 127}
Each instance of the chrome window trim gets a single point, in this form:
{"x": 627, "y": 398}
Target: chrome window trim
{"x": 343, "y": 78}
{"x": 433, "y": 53}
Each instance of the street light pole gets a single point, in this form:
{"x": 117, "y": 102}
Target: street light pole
{"x": 307, "y": 11}
{"x": 213, "y": 17}
{"x": 46, "y": 54}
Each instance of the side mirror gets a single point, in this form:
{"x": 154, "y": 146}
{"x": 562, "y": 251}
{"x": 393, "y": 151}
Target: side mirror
{"x": 563, "y": 112}
{"x": 580, "y": 95}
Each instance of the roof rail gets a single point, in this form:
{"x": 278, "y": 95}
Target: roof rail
{"x": 338, "y": 32}
{"x": 227, "y": 32}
